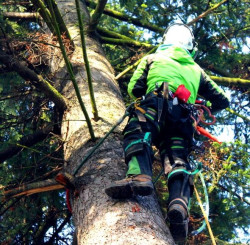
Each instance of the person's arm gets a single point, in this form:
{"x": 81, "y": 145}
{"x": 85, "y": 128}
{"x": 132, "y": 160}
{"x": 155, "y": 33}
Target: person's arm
{"x": 212, "y": 92}
{"x": 137, "y": 86}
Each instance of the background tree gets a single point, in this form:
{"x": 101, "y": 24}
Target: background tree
{"x": 47, "y": 126}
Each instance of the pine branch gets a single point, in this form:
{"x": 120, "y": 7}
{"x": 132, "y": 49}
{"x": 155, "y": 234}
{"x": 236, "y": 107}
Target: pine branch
{"x": 127, "y": 18}
{"x": 95, "y": 18}
{"x": 26, "y": 141}
{"x": 14, "y": 3}
{"x": 216, "y": 70}
{"x": 134, "y": 65}
{"x": 37, "y": 80}
{"x": 118, "y": 39}
{"x": 11, "y": 205}
{"x": 16, "y": 95}
{"x": 230, "y": 191}
{"x": 203, "y": 15}
{"x": 48, "y": 221}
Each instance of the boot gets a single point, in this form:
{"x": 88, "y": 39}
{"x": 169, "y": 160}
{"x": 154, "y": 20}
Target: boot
{"x": 178, "y": 219}
{"x": 133, "y": 185}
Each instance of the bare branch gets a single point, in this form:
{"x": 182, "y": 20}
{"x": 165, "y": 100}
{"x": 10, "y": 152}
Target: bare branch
{"x": 23, "y": 15}
{"x": 37, "y": 187}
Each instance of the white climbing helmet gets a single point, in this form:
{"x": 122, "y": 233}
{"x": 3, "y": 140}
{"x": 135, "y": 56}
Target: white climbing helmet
{"x": 179, "y": 35}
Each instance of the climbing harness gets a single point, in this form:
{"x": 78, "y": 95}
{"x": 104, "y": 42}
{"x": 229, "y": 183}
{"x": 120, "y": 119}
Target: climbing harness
{"x": 200, "y": 115}
{"x": 199, "y": 108}
{"x": 146, "y": 140}
{"x": 181, "y": 170}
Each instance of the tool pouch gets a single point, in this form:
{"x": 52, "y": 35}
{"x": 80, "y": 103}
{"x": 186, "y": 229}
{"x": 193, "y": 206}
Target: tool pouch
{"x": 182, "y": 93}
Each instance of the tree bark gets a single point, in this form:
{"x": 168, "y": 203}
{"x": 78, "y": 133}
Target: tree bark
{"x": 97, "y": 218}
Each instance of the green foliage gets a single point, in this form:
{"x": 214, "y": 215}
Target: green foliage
{"x": 222, "y": 41}
{"x": 227, "y": 173}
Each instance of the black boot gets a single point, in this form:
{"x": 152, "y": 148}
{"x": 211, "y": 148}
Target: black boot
{"x": 178, "y": 219}
{"x": 180, "y": 190}
{"x": 135, "y": 185}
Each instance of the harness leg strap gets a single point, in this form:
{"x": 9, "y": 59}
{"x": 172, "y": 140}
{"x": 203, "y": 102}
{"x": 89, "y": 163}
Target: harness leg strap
{"x": 180, "y": 190}
{"x": 180, "y": 186}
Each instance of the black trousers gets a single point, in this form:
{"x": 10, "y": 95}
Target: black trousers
{"x": 165, "y": 125}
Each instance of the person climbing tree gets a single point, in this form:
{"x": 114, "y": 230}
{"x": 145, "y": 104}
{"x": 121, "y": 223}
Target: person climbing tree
{"x": 165, "y": 85}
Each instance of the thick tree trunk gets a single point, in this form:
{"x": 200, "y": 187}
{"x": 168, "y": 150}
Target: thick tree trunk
{"x": 97, "y": 218}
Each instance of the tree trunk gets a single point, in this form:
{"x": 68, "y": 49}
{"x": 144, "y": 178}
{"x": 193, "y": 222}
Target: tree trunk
{"x": 97, "y": 218}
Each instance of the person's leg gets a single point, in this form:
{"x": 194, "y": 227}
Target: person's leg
{"x": 174, "y": 155}
{"x": 175, "y": 151}
{"x": 138, "y": 136}
{"x": 139, "y": 157}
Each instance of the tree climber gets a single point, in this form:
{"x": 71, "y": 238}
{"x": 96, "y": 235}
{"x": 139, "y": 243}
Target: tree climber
{"x": 164, "y": 85}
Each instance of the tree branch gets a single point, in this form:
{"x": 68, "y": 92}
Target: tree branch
{"x": 44, "y": 12}
{"x": 118, "y": 39}
{"x": 61, "y": 24}
{"x": 127, "y": 18}
{"x": 37, "y": 187}
{"x": 37, "y": 80}
{"x": 23, "y": 15}
{"x": 95, "y": 18}
{"x": 228, "y": 81}
{"x": 230, "y": 191}
{"x": 47, "y": 222}
{"x": 41, "y": 7}
{"x": 211, "y": 67}
{"x": 59, "y": 229}
{"x": 122, "y": 42}
{"x": 134, "y": 65}
{"x": 14, "y": 3}
{"x": 207, "y": 12}
{"x": 237, "y": 114}
{"x": 27, "y": 141}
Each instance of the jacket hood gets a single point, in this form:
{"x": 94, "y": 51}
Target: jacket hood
{"x": 177, "y": 53}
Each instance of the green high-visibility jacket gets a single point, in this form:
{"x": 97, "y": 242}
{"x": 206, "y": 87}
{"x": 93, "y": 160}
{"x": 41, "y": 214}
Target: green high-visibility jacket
{"x": 176, "y": 66}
